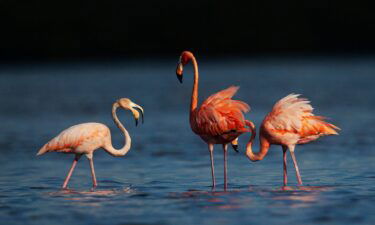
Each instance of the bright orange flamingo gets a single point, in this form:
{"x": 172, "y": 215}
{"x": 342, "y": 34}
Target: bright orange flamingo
{"x": 219, "y": 120}
{"x": 85, "y": 138}
{"x": 290, "y": 122}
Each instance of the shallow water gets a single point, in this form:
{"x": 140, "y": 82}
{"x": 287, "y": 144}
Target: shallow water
{"x": 165, "y": 178}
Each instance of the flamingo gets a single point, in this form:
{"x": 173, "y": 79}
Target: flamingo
{"x": 290, "y": 122}
{"x": 219, "y": 119}
{"x": 85, "y": 138}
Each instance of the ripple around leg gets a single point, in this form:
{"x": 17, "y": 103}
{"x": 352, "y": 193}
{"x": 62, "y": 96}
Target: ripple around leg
{"x": 306, "y": 188}
{"x": 96, "y": 192}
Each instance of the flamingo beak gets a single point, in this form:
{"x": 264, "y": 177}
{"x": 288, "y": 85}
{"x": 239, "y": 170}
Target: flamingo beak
{"x": 235, "y": 148}
{"x": 234, "y": 144}
{"x": 140, "y": 110}
{"x": 179, "y": 72}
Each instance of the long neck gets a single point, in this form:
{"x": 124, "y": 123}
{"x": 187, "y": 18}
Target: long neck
{"x": 109, "y": 147}
{"x": 194, "y": 95}
{"x": 264, "y": 146}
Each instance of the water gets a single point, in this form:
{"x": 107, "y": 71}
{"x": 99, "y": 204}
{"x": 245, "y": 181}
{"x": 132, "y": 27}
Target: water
{"x": 165, "y": 178}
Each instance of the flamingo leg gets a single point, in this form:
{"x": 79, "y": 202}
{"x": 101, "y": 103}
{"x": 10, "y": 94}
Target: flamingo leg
{"x": 225, "y": 148}
{"x": 285, "y": 167}
{"x": 291, "y": 149}
{"x": 94, "y": 183}
{"x": 211, "y": 149}
{"x": 66, "y": 181}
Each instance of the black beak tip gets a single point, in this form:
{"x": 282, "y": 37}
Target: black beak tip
{"x": 235, "y": 148}
{"x": 179, "y": 77}
{"x": 137, "y": 119}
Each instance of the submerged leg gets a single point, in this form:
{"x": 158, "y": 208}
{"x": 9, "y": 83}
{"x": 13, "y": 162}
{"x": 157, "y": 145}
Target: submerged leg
{"x": 211, "y": 150}
{"x": 285, "y": 167}
{"x": 94, "y": 183}
{"x": 291, "y": 149}
{"x": 66, "y": 181}
{"x": 225, "y": 148}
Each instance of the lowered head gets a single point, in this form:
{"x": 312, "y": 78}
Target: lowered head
{"x": 126, "y": 103}
{"x": 185, "y": 57}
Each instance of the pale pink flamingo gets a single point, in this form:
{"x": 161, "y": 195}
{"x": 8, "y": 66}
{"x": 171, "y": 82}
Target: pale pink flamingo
{"x": 219, "y": 120}
{"x": 85, "y": 138}
{"x": 290, "y": 122}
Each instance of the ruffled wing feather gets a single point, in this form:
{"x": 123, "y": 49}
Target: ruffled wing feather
{"x": 220, "y": 114}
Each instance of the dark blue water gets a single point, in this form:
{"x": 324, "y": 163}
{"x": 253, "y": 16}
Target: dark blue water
{"x": 165, "y": 178}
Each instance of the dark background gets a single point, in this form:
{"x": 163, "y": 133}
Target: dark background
{"x": 64, "y": 63}
{"x": 98, "y": 29}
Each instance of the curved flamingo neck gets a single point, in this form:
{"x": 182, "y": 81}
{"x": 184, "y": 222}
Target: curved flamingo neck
{"x": 264, "y": 146}
{"x": 109, "y": 147}
{"x": 194, "y": 95}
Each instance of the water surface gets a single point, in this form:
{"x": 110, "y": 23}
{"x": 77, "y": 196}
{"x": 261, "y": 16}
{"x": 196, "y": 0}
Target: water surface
{"x": 165, "y": 178}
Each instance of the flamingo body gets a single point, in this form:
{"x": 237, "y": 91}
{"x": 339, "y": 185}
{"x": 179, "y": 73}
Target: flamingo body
{"x": 79, "y": 139}
{"x": 291, "y": 122}
{"x": 220, "y": 120}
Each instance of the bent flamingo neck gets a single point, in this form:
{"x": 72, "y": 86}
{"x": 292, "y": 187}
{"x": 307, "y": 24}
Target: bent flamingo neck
{"x": 108, "y": 146}
{"x": 264, "y": 146}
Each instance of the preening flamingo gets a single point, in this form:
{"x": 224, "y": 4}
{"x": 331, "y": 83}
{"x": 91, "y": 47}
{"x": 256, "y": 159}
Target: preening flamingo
{"x": 85, "y": 138}
{"x": 219, "y": 120}
{"x": 290, "y": 122}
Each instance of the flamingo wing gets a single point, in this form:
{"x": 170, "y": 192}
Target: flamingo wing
{"x": 295, "y": 115}
{"x": 70, "y": 139}
{"x": 220, "y": 114}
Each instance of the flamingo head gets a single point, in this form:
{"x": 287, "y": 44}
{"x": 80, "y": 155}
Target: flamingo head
{"x": 184, "y": 59}
{"x": 137, "y": 110}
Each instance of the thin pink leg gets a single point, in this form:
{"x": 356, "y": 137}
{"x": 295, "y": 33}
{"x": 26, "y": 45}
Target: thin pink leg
{"x": 225, "y": 147}
{"x": 94, "y": 183}
{"x": 211, "y": 149}
{"x": 285, "y": 167}
{"x": 66, "y": 181}
{"x": 295, "y": 165}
